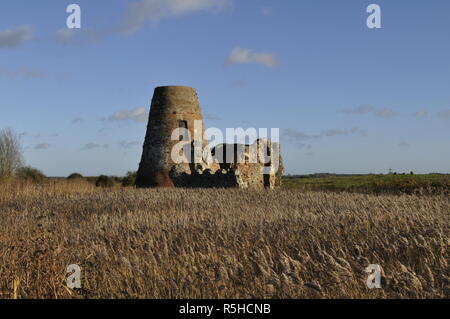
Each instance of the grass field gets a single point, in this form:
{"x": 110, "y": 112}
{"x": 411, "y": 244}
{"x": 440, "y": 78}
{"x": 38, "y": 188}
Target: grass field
{"x": 161, "y": 243}
{"x": 373, "y": 184}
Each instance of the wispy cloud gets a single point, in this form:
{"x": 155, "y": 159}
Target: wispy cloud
{"x": 128, "y": 145}
{"x": 31, "y": 135}
{"x": 334, "y": 132}
{"x": 341, "y": 132}
{"x": 139, "y": 13}
{"x": 77, "y": 120}
{"x": 22, "y": 73}
{"x": 358, "y": 131}
{"x": 139, "y": 114}
{"x": 300, "y": 139}
{"x": 370, "y": 109}
{"x": 247, "y": 56}
{"x": 13, "y": 38}
{"x": 296, "y": 137}
{"x": 404, "y": 144}
{"x": 387, "y": 113}
{"x": 420, "y": 114}
{"x": 83, "y": 36}
{"x": 42, "y": 146}
{"x": 363, "y": 109}
{"x": 211, "y": 117}
{"x": 93, "y": 146}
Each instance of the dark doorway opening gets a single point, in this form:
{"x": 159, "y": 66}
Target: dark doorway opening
{"x": 182, "y": 125}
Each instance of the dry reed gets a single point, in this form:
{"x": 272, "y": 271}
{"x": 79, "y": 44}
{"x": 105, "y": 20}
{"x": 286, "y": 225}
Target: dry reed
{"x": 220, "y": 243}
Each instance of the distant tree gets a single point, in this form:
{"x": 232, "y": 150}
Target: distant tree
{"x": 11, "y": 158}
{"x": 104, "y": 181}
{"x": 412, "y": 173}
{"x": 75, "y": 176}
{"x": 129, "y": 179}
{"x": 31, "y": 174}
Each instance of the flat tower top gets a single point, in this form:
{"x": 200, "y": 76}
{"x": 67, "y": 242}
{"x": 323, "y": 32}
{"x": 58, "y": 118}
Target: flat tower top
{"x": 174, "y": 87}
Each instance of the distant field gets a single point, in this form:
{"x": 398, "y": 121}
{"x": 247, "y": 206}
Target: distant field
{"x": 372, "y": 183}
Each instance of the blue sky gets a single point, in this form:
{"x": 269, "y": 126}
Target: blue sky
{"x": 347, "y": 99}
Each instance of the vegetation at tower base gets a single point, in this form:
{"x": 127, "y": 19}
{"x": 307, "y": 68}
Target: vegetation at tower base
{"x": 177, "y": 107}
{"x": 129, "y": 180}
{"x": 75, "y": 176}
{"x": 104, "y": 181}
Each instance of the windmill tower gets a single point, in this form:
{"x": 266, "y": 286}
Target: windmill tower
{"x": 172, "y": 107}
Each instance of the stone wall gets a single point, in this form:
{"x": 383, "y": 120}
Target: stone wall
{"x": 232, "y": 167}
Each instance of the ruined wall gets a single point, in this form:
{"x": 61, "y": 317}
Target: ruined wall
{"x": 233, "y": 167}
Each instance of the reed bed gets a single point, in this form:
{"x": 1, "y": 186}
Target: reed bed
{"x": 230, "y": 243}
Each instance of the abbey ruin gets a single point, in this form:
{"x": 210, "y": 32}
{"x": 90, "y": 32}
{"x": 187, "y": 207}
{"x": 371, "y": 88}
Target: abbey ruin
{"x": 175, "y": 153}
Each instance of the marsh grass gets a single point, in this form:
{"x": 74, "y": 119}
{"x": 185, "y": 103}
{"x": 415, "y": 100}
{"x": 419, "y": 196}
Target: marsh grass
{"x": 231, "y": 243}
{"x": 374, "y": 184}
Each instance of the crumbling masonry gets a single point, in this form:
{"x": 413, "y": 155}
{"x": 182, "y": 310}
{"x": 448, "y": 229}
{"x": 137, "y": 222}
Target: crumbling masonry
{"x": 229, "y": 165}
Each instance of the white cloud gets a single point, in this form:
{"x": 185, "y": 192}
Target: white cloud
{"x": 77, "y": 36}
{"x": 246, "y": 56}
{"x": 139, "y": 114}
{"x": 15, "y": 37}
{"x": 137, "y": 14}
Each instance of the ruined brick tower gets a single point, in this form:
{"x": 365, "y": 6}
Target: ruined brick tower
{"x": 172, "y": 107}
